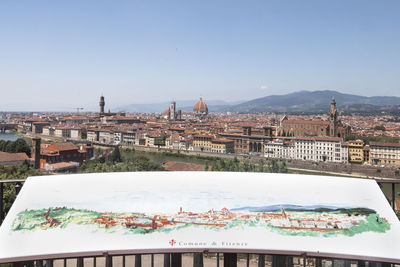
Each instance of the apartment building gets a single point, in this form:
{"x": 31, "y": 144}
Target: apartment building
{"x": 62, "y": 132}
{"x": 325, "y": 149}
{"x": 222, "y": 146}
{"x": 280, "y": 149}
{"x": 356, "y": 152}
{"x": 385, "y": 154}
{"x": 202, "y": 142}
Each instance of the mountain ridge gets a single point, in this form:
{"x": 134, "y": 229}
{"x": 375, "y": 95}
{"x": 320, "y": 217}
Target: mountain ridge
{"x": 311, "y": 101}
{"x": 299, "y": 101}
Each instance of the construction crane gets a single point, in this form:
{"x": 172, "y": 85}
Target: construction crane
{"x": 77, "y": 109}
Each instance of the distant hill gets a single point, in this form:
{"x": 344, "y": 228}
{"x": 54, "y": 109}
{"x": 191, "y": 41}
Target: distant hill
{"x": 285, "y": 206}
{"x": 307, "y": 208}
{"x": 297, "y": 102}
{"x": 314, "y": 101}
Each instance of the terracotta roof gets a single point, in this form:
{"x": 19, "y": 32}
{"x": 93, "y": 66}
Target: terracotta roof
{"x": 327, "y": 138}
{"x": 10, "y": 157}
{"x": 222, "y": 140}
{"x": 315, "y": 122}
{"x": 384, "y": 144}
{"x": 65, "y": 146}
{"x": 320, "y": 138}
{"x": 204, "y": 136}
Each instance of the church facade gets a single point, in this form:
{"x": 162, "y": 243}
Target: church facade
{"x": 301, "y": 128}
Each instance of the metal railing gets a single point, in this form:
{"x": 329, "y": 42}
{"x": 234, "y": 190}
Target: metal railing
{"x": 200, "y": 260}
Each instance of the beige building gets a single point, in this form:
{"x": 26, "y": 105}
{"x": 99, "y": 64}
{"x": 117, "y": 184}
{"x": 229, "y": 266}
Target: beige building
{"x": 222, "y": 146}
{"x": 208, "y": 143}
{"x": 154, "y": 140}
{"x": 92, "y": 135}
{"x": 202, "y": 142}
{"x": 356, "y": 151}
{"x": 387, "y": 154}
{"x": 62, "y": 132}
{"x": 248, "y": 142}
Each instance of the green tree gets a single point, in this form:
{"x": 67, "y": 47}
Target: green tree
{"x": 261, "y": 164}
{"x": 273, "y": 166}
{"x": 17, "y": 146}
{"x": 282, "y": 167}
{"x": 206, "y": 167}
{"x": 116, "y": 155}
{"x": 14, "y": 172}
{"x": 22, "y": 147}
{"x": 380, "y": 128}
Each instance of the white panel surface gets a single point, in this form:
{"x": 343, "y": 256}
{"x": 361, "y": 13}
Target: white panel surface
{"x": 89, "y": 214}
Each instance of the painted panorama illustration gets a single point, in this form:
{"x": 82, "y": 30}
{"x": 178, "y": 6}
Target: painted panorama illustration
{"x": 316, "y": 220}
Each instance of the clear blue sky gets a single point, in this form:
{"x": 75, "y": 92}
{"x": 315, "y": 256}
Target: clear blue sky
{"x": 65, "y": 54}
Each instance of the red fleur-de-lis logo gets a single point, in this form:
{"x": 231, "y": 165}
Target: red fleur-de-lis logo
{"x": 172, "y": 242}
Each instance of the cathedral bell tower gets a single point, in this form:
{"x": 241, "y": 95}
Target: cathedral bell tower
{"x": 333, "y": 119}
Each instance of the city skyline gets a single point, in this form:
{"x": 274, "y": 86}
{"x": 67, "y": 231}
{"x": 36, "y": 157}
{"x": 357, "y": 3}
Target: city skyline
{"x": 56, "y": 56}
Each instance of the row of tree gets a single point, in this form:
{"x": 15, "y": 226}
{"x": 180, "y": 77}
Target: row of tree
{"x": 16, "y": 146}
{"x": 127, "y": 161}
{"x": 235, "y": 165}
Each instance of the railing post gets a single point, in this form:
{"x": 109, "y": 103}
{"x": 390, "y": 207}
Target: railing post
{"x": 49, "y": 263}
{"x": 18, "y": 187}
{"x": 361, "y": 263}
{"x": 393, "y": 197}
{"x": 138, "y": 260}
{"x": 109, "y": 261}
{"x": 318, "y": 262}
{"x": 261, "y": 261}
{"x": 198, "y": 260}
{"x": 289, "y": 261}
{"x": 167, "y": 260}
{"x": 79, "y": 262}
{"x": 338, "y": 263}
{"x": 230, "y": 260}
{"x": 176, "y": 260}
{"x": 1, "y": 202}
{"x": 278, "y": 261}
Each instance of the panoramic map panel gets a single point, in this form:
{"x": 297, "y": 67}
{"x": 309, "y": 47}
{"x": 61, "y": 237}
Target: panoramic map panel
{"x": 285, "y": 219}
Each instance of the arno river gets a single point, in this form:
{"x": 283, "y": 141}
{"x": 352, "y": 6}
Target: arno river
{"x": 8, "y": 136}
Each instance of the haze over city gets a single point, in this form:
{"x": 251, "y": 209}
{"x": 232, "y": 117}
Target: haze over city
{"x": 62, "y": 55}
